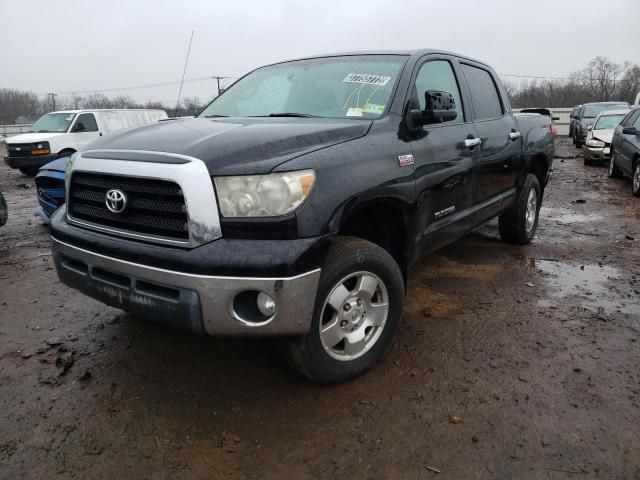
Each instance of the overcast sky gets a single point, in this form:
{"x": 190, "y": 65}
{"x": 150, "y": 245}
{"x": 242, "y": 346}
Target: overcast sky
{"x": 75, "y": 45}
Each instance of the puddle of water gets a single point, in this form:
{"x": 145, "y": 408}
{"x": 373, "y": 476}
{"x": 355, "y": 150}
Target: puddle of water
{"x": 592, "y": 283}
{"x": 564, "y": 215}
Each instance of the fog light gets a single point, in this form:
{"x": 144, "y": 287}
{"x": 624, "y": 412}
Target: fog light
{"x": 266, "y": 304}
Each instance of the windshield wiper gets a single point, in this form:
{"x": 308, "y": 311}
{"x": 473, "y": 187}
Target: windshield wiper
{"x": 291, "y": 114}
{"x": 215, "y": 116}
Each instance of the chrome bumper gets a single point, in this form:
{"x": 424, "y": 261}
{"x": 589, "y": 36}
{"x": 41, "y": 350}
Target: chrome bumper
{"x": 198, "y": 302}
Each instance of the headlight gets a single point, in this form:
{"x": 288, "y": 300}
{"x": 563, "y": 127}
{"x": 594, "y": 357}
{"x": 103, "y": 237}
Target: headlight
{"x": 40, "y": 148}
{"x": 263, "y": 195}
{"x": 595, "y": 143}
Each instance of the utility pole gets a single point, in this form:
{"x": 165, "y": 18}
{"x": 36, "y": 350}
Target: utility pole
{"x": 53, "y": 99}
{"x": 217, "y": 79}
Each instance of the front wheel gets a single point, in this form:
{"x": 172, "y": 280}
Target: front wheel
{"x": 614, "y": 171}
{"x": 635, "y": 179}
{"x": 518, "y": 224}
{"x": 358, "y": 307}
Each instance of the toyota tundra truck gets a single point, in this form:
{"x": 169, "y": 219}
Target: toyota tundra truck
{"x": 296, "y": 202}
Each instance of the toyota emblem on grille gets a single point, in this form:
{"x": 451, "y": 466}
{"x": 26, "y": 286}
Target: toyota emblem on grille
{"x": 116, "y": 200}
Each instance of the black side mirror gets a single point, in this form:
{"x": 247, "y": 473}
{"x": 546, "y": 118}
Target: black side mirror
{"x": 630, "y": 131}
{"x": 439, "y": 107}
{"x": 79, "y": 127}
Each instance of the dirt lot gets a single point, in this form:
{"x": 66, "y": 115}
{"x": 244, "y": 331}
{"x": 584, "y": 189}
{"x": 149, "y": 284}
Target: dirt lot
{"x": 536, "y": 349}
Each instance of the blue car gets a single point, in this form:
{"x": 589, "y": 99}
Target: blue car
{"x": 50, "y": 185}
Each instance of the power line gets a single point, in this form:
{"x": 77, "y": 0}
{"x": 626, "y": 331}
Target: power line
{"x": 531, "y": 76}
{"x": 140, "y": 87}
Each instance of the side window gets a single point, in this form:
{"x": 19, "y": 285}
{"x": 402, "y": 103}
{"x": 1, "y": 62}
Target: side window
{"x": 637, "y": 121}
{"x": 88, "y": 121}
{"x": 484, "y": 94}
{"x": 438, "y": 75}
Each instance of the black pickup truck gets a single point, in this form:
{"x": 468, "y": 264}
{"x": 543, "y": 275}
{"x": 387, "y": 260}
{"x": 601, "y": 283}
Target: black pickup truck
{"x": 296, "y": 201}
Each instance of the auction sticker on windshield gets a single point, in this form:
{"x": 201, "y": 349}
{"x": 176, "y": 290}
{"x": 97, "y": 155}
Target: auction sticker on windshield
{"x": 367, "y": 79}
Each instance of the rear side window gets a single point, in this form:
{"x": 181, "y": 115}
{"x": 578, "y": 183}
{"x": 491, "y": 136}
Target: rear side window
{"x": 484, "y": 94}
{"x": 89, "y": 122}
{"x": 438, "y": 75}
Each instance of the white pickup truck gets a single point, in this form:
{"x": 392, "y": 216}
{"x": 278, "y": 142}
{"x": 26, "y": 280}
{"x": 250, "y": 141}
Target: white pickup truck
{"x": 60, "y": 134}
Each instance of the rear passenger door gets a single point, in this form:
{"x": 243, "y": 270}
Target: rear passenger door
{"x": 444, "y": 165}
{"x": 501, "y": 145}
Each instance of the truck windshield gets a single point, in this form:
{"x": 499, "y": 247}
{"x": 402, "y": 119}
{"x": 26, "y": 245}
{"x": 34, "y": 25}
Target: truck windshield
{"x": 331, "y": 87}
{"x": 592, "y": 111}
{"x": 53, "y": 122}
{"x": 609, "y": 122}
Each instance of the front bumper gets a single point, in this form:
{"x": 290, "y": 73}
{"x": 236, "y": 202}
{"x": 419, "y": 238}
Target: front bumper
{"x": 36, "y": 161}
{"x": 200, "y": 303}
{"x": 596, "y": 153}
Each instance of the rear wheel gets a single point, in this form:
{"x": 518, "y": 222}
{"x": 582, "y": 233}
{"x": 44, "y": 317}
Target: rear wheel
{"x": 614, "y": 171}
{"x": 518, "y": 224}
{"x": 358, "y": 307}
{"x": 635, "y": 178}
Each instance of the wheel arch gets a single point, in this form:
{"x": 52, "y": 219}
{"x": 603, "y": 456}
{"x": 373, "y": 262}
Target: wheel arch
{"x": 383, "y": 221}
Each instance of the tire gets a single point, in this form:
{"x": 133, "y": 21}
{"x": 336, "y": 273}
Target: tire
{"x": 66, "y": 153}
{"x": 518, "y": 224}
{"x": 28, "y": 171}
{"x": 324, "y": 357}
{"x": 4, "y": 210}
{"x": 614, "y": 171}
{"x": 635, "y": 178}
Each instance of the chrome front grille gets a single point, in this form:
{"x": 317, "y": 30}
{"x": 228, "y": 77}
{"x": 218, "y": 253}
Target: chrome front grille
{"x": 170, "y": 201}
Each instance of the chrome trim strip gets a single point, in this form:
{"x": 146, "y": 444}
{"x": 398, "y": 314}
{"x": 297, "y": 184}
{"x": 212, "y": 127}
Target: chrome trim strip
{"x": 192, "y": 177}
{"x": 294, "y": 296}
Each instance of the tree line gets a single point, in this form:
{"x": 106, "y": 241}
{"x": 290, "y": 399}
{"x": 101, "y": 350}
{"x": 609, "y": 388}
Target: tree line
{"x": 25, "y": 107}
{"x": 601, "y": 80}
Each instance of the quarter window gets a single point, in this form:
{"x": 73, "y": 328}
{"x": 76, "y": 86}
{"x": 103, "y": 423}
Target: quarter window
{"x": 484, "y": 94}
{"x": 438, "y": 75}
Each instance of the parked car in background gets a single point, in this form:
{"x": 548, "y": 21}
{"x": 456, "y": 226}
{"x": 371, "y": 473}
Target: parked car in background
{"x": 597, "y": 147}
{"x": 4, "y": 211}
{"x": 50, "y": 187}
{"x": 60, "y": 134}
{"x": 296, "y": 208}
{"x": 587, "y": 114}
{"x": 572, "y": 120}
{"x": 625, "y": 157}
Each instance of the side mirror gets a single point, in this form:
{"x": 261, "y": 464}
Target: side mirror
{"x": 590, "y": 127}
{"x": 79, "y": 127}
{"x": 630, "y": 131}
{"x": 439, "y": 107}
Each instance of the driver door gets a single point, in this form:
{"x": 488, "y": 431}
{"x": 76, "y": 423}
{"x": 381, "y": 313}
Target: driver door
{"x": 444, "y": 162}
{"x": 85, "y": 130}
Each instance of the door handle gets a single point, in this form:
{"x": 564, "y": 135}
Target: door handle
{"x": 471, "y": 143}
{"x": 513, "y": 135}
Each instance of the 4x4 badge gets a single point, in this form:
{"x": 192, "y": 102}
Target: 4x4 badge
{"x": 405, "y": 160}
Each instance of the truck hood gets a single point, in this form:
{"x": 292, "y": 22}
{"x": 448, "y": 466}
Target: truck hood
{"x": 236, "y": 146}
{"x": 606, "y": 135}
{"x": 32, "y": 137}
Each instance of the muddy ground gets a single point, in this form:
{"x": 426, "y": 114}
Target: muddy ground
{"x": 535, "y": 348}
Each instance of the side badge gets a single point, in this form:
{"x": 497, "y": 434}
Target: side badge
{"x": 405, "y": 160}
